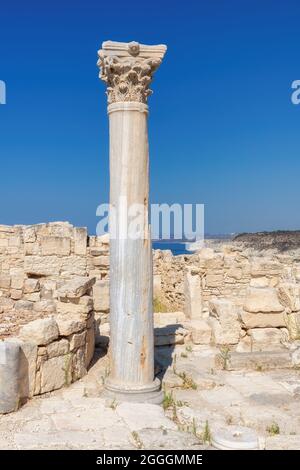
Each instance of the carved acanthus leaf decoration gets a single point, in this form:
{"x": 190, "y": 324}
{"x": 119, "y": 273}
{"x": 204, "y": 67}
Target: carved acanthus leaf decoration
{"x": 127, "y": 78}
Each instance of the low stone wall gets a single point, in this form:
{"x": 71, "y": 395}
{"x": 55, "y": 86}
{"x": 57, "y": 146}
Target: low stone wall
{"x": 49, "y": 353}
{"x": 35, "y": 261}
{"x": 238, "y": 297}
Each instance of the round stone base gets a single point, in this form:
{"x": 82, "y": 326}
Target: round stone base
{"x": 145, "y": 394}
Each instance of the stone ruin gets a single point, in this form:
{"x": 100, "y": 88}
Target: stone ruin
{"x": 54, "y": 306}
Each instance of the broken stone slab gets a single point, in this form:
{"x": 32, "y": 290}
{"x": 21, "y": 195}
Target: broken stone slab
{"x": 9, "y": 376}
{"x": 201, "y": 331}
{"x": 41, "y": 332}
{"x": 288, "y": 294}
{"x": 262, "y": 320}
{"x": 171, "y": 334}
{"x": 266, "y": 339}
{"x": 56, "y": 372}
{"x": 257, "y": 361}
{"x": 67, "y": 325}
{"x": 292, "y": 321}
{"x": 224, "y": 321}
{"x": 192, "y": 294}
{"x": 262, "y": 300}
{"x": 101, "y": 296}
{"x": 283, "y": 442}
{"x": 76, "y": 288}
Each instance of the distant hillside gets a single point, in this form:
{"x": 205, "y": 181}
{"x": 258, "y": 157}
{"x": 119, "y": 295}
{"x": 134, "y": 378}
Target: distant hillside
{"x": 281, "y": 240}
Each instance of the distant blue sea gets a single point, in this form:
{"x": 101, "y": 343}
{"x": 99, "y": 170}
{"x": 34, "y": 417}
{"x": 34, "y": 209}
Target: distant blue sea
{"x": 177, "y": 248}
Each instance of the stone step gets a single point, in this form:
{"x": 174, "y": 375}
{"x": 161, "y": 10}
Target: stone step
{"x": 253, "y": 360}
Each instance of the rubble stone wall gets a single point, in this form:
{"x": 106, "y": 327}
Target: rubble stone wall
{"x": 247, "y": 299}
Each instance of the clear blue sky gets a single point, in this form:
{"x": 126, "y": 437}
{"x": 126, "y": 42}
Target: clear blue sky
{"x": 223, "y": 130}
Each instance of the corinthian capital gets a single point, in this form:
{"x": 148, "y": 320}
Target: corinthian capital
{"x": 128, "y": 68}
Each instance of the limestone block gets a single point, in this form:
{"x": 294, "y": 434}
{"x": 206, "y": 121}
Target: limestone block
{"x": 5, "y": 281}
{"x": 265, "y": 267}
{"x": 266, "y": 339}
{"x": 59, "y": 246}
{"x": 296, "y": 357}
{"x": 69, "y": 324}
{"x": 101, "y": 296}
{"x": 45, "y": 306}
{"x": 55, "y": 373}
{"x": 34, "y": 297}
{"x": 31, "y": 286}
{"x": 9, "y": 376}
{"x": 256, "y": 360}
{"x": 29, "y": 234}
{"x": 235, "y": 273}
{"x": 78, "y": 365}
{"x": 41, "y": 332}
{"x": 80, "y": 241}
{"x": 73, "y": 266}
{"x": 56, "y": 229}
{"x": 23, "y": 305}
{"x": 32, "y": 248}
{"x": 101, "y": 261}
{"x": 192, "y": 295}
{"x": 71, "y": 308}
{"x": 244, "y": 345}
{"x": 292, "y": 321}
{"x": 58, "y": 348}
{"x": 171, "y": 334}
{"x": 17, "y": 282}
{"x": 264, "y": 300}
{"x": 288, "y": 294}
{"x": 214, "y": 280}
{"x": 200, "y": 332}
{"x": 27, "y": 367}
{"x": 262, "y": 320}
{"x": 259, "y": 282}
{"x": 77, "y": 340}
{"x": 6, "y": 304}
{"x": 76, "y": 288}
{"x": 16, "y": 294}
{"x": 42, "y": 265}
{"x": 224, "y": 321}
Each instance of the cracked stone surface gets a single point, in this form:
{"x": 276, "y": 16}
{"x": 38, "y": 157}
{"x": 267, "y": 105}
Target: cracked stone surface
{"x": 79, "y": 417}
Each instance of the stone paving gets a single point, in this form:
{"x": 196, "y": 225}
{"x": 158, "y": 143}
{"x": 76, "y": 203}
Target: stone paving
{"x": 79, "y": 417}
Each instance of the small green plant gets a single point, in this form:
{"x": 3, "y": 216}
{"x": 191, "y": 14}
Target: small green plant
{"x": 168, "y": 400}
{"x": 225, "y": 356}
{"x": 194, "y": 428}
{"x": 184, "y": 355}
{"x": 187, "y": 381}
{"x": 137, "y": 440}
{"x": 273, "y": 429}
{"x": 189, "y": 348}
{"x": 206, "y": 435}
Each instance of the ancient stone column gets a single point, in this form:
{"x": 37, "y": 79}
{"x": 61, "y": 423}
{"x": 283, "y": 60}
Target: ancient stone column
{"x": 127, "y": 69}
